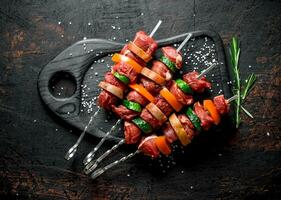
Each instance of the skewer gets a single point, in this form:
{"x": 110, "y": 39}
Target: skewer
{"x": 184, "y": 42}
{"x": 91, "y": 155}
{"x": 91, "y": 166}
{"x": 71, "y": 152}
{"x": 155, "y": 28}
{"x": 242, "y": 107}
{"x": 101, "y": 170}
{"x": 94, "y": 163}
{"x": 232, "y": 98}
{"x": 206, "y": 71}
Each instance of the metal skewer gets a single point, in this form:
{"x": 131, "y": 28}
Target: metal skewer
{"x": 71, "y": 152}
{"x": 184, "y": 42}
{"x": 206, "y": 71}
{"x": 91, "y": 155}
{"x": 91, "y": 166}
{"x": 155, "y": 28}
{"x": 100, "y": 171}
{"x": 232, "y": 98}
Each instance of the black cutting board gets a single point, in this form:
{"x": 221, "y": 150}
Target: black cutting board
{"x": 68, "y": 83}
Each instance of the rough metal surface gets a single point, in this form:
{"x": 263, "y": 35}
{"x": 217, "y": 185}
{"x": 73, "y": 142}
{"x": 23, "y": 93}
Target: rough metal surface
{"x": 243, "y": 165}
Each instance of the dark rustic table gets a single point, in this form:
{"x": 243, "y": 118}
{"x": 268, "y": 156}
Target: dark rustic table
{"x": 245, "y": 165}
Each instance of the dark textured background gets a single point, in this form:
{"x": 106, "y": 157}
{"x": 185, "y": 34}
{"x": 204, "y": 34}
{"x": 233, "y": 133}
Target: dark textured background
{"x": 245, "y": 165}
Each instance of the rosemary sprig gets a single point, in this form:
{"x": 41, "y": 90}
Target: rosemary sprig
{"x": 237, "y": 87}
{"x": 234, "y": 55}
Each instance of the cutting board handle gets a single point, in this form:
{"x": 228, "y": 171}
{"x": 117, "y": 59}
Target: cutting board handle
{"x": 73, "y": 61}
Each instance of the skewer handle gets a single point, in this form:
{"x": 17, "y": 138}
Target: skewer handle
{"x": 71, "y": 152}
{"x": 206, "y": 71}
{"x": 100, "y": 171}
{"x": 184, "y": 42}
{"x": 94, "y": 163}
{"x": 91, "y": 155}
{"x": 155, "y": 28}
{"x": 232, "y": 98}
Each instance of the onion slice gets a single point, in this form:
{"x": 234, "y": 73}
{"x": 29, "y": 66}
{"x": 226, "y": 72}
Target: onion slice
{"x": 112, "y": 89}
{"x": 156, "y": 112}
{"x": 139, "y": 52}
{"x": 153, "y": 76}
{"x": 178, "y": 128}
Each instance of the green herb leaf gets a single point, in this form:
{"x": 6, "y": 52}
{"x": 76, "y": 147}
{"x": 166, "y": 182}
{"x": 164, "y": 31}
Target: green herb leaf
{"x": 247, "y": 112}
{"x": 249, "y": 85}
{"x": 234, "y": 52}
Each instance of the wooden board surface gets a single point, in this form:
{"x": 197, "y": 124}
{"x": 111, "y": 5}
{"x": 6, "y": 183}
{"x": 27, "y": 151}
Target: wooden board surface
{"x": 244, "y": 165}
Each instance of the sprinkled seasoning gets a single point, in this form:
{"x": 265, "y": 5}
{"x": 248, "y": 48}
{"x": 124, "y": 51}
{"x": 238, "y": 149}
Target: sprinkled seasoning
{"x": 205, "y": 55}
{"x": 89, "y": 104}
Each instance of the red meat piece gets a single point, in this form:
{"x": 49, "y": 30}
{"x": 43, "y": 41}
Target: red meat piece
{"x": 183, "y": 98}
{"x": 124, "y": 113}
{"x": 206, "y": 120}
{"x": 136, "y": 97}
{"x": 221, "y": 104}
{"x": 173, "y": 55}
{"x": 162, "y": 70}
{"x": 149, "y": 118}
{"x": 132, "y": 133}
{"x": 197, "y": 85}
{"x": 106, "y": 100}
{"x": 148, "y": 147}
